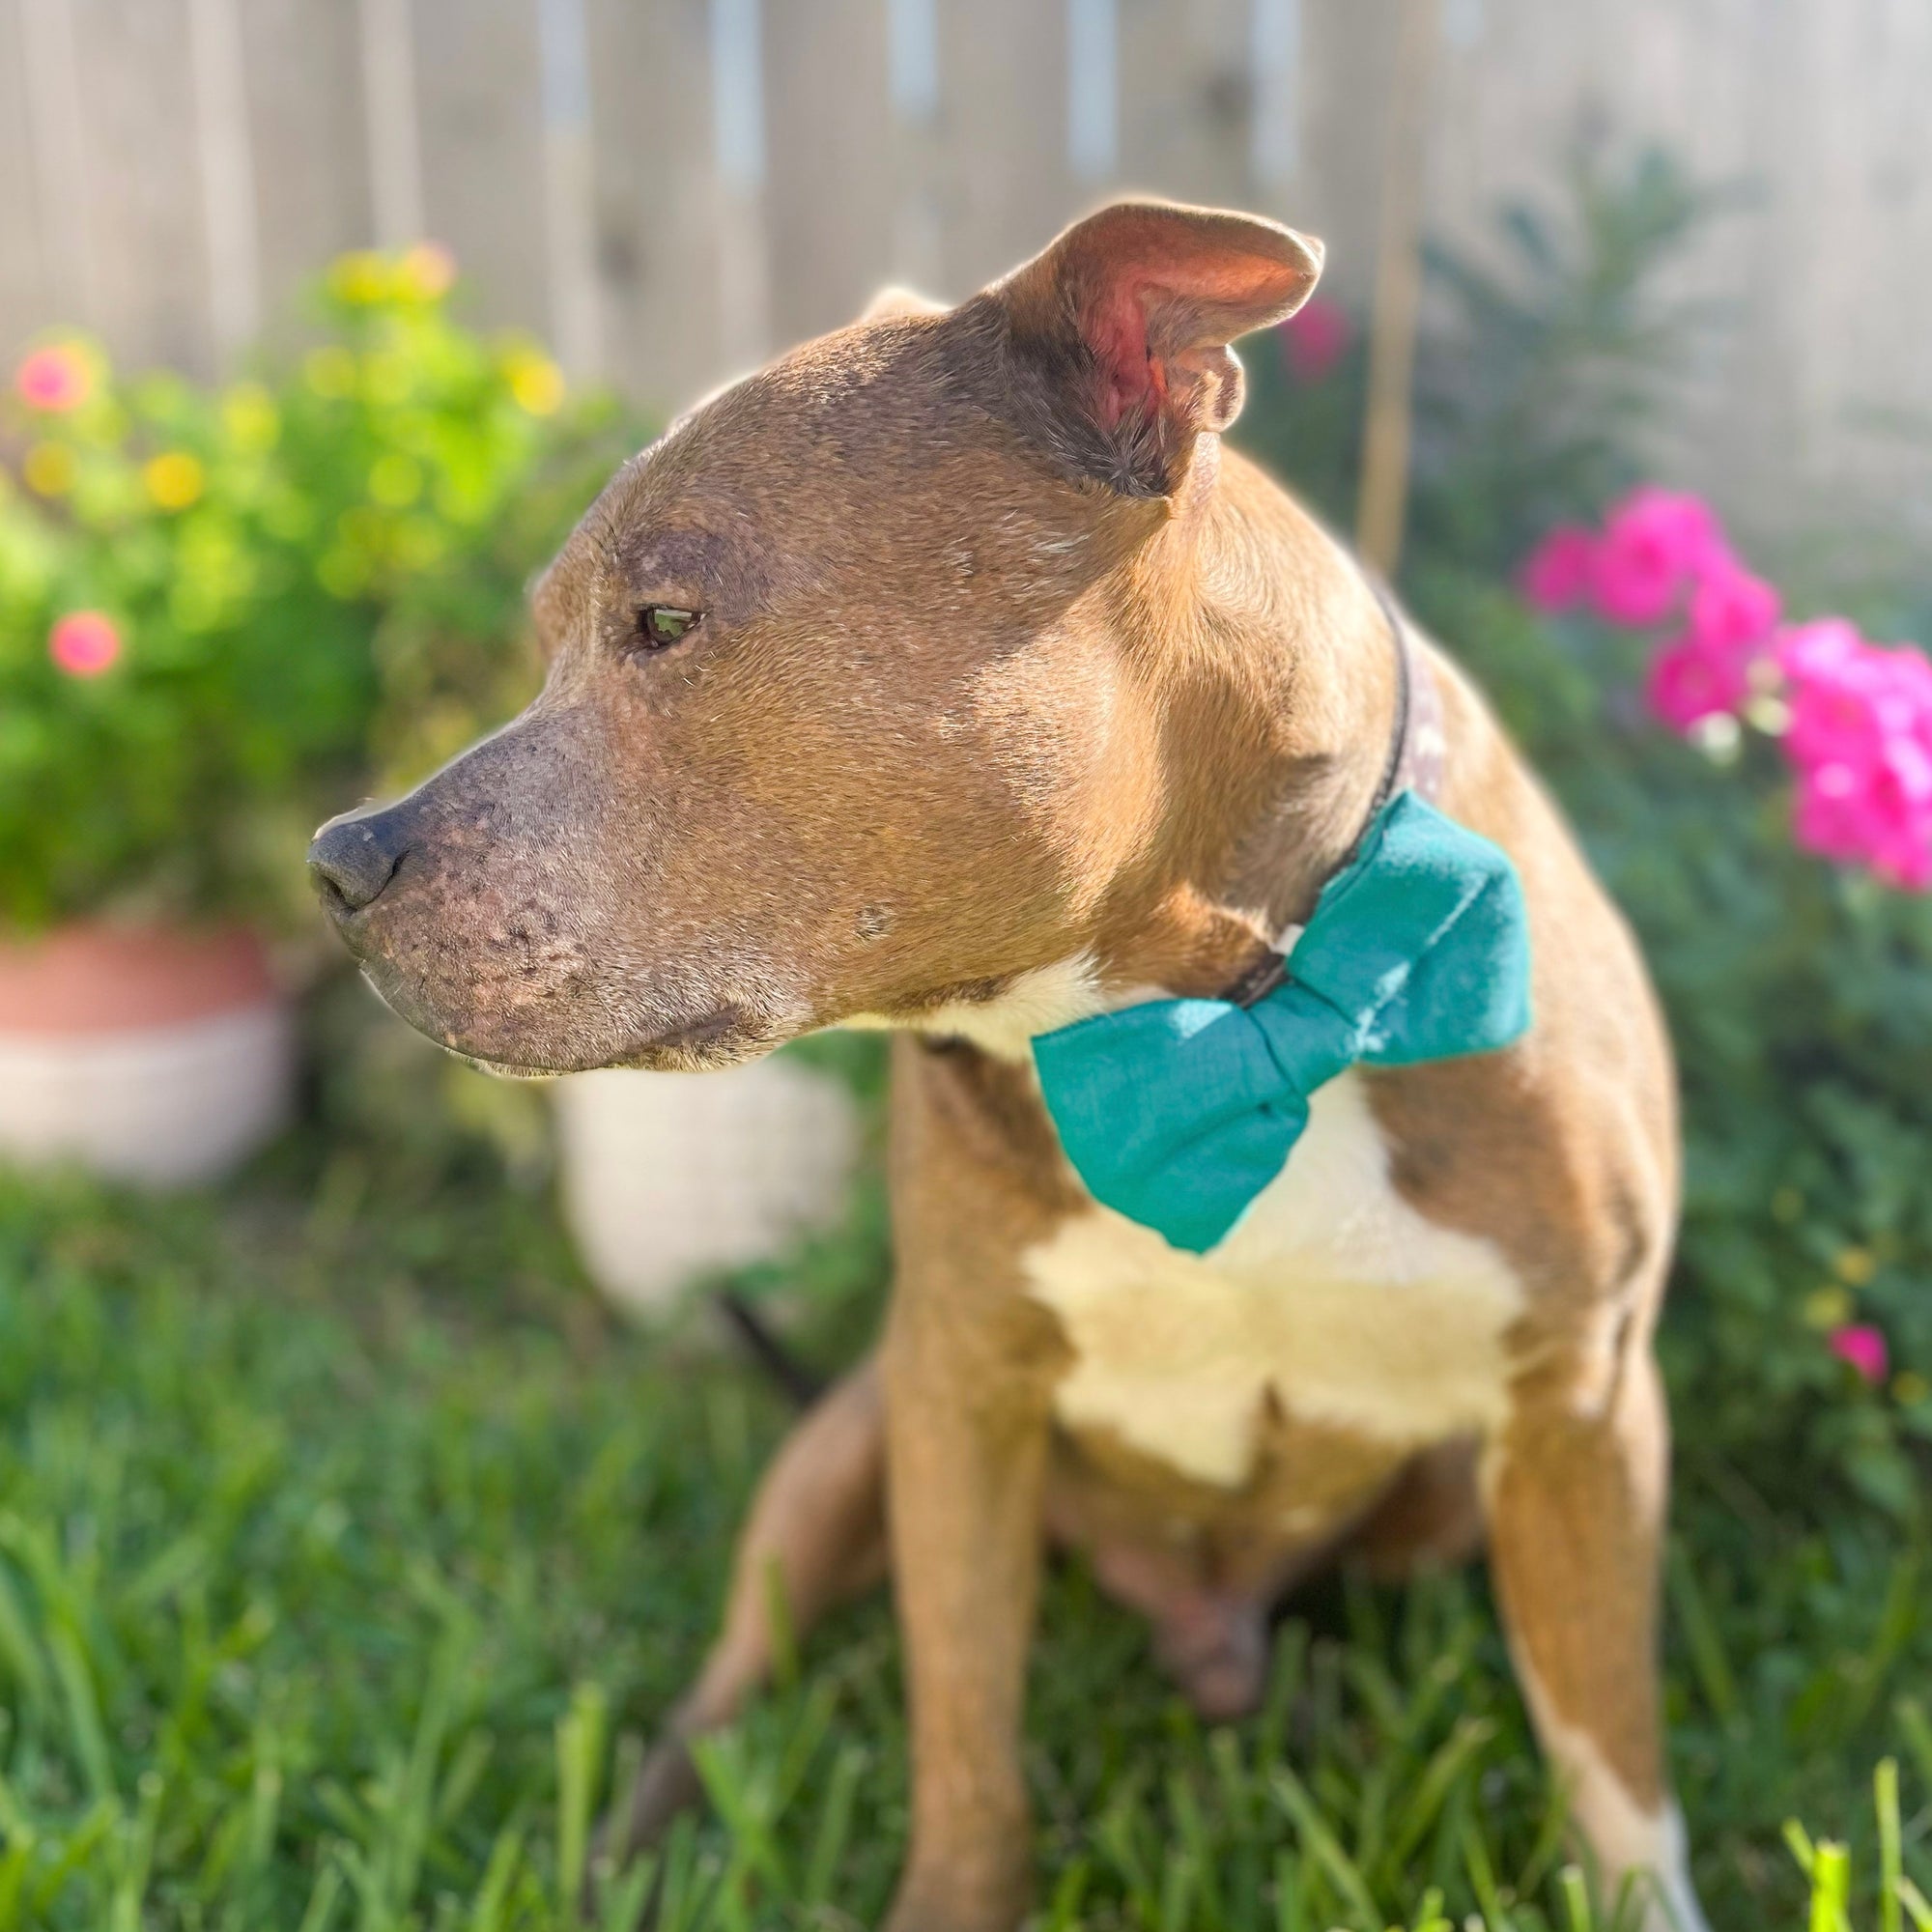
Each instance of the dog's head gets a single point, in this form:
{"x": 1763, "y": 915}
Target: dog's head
{"x": 842, "y": 715}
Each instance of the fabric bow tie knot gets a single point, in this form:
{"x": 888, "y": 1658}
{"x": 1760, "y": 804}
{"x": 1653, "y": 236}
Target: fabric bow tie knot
{"x": 1179, "y": 1112}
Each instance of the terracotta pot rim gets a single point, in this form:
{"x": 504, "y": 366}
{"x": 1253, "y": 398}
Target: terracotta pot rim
{"x": 99, "y": 976}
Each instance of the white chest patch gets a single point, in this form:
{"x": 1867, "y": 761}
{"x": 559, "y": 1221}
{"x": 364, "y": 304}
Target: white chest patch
{"x": 1035, "y": 1003}
{"x": 1331, "y": 1291}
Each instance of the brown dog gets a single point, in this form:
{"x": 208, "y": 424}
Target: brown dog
{"x": 949, "y": 675}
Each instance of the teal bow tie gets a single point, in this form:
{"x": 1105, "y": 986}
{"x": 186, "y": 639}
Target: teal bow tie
{"x": 1177, "y": 1113}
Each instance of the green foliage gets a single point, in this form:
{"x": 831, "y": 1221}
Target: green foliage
{"x": 1801, "y": 1003}
{"x": 1546, "y": 369}
{"x": 1828, "y": 1866}
{"x": 1552, "y": 376}
{"x": 347, "y": 1559}
{"x": 316, "y": 576}
{"x": 1799, "y": 999}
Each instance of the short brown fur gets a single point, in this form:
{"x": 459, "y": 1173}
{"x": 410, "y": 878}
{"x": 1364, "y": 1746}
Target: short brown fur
{"x": 1006, "y": 661}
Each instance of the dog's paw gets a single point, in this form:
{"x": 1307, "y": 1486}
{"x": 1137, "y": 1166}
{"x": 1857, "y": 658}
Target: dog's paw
{"x": 945, "y": 1901}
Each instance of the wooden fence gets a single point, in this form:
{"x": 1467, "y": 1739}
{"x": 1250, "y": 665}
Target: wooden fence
{"x": 667, "y": 188}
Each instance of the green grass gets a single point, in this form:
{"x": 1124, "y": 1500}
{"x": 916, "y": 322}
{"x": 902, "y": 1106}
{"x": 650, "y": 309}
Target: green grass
{"x": 347, "y": 1551}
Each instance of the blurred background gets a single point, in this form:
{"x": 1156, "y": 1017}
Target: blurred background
{"x": 667, "y": 191}
{"x": 369, "y": 1441}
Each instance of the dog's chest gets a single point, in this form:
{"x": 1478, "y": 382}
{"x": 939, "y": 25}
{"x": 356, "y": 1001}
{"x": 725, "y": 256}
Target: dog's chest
{"x": 1331, "y": 1297}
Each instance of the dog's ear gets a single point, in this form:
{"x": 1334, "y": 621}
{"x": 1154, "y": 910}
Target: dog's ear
{"x": 1120, "y": 331}
{"x": 893, "y": 302}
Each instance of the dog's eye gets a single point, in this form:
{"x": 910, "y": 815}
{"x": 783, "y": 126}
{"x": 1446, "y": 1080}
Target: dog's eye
{"x": 661, "y": 625}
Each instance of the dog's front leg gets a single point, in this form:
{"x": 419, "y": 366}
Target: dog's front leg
{"x": 967, "y": 1415}
{"x": 1575, "y": 1489}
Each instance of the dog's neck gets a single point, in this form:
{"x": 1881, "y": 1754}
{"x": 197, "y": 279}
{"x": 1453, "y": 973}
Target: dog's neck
{"x": 1282, "y": 690}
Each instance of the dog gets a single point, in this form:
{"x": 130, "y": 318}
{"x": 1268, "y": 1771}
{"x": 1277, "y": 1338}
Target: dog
{"x": 950, "y": 676}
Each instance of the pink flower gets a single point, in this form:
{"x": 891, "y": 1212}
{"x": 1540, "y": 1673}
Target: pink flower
{"x": 1691, "y": 680}
{"x": 1731, "y": 609}
{"x": 1874, "y": 810}
{"x": 1901, "y": 692}
{"x": 1849, "y": 698}
{"x": 1864, "y": 1348}
{"x": 1830, "y": 816}
{"x": 1858, "y": 724}
{"x": 84, "y": 643}
{"x": 1898, "y": 813}
{"x": 1561, "y": 571}
{"x": 1657, "y": 543}
{"x": 1817, "y": 651}
{"x": 1315, "y": 338}
{"x": 55, "y": 379}
{"x": 1830, "y": 674}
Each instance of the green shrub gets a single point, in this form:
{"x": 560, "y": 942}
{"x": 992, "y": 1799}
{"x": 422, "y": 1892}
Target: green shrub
{"x": 289, "y": 587}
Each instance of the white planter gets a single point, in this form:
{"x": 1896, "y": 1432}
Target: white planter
{"x": 667, "y": 1177}
{"x": 148, "y": 1055}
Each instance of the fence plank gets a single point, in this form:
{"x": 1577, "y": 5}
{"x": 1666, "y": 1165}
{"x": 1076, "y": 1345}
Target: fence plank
{"x": 829, "y": 196}
{"x": 1348, "y": 63}
{"x": 50, "y": 62}
{"x": 1185, "y": 97}
{"x": 311, "y": 154}
{"x": 28, "y": 299}
{"x": 656, "y": 187}
{"x": 950, "y": 169}
{"x": 570, "y": 220}
{"x": 1835, "y": 387}
{"x": 225, "y": 147}
{"x": 145, "y": 227}
{"x": 481, "y": 116}
{"x": 1004, "y": 184}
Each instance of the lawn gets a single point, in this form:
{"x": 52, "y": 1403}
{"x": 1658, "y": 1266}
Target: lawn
{"x": 347, "y": 1551}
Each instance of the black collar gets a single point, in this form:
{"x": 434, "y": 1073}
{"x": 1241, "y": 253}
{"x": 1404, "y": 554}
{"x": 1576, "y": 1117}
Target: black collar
{"x": 1414, "y": 763}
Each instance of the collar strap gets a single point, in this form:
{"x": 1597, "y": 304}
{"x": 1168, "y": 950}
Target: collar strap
{"x": 1416, "y": 760}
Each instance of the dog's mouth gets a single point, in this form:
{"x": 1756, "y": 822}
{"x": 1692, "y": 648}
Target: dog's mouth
{"x": 724, "y": 1036}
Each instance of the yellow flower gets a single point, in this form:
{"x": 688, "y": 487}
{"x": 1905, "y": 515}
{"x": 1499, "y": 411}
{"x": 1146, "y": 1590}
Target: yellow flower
{"x": 249, "y": 415}
{"x": 1856, "y": 1266}
{"x": 535, "y": 382}
{"x": 174, "y": 480}
{"x": 360, "y": 277}
{"x": 48, "y": 468}
{"x": 1827, "y": 1307}
{"x": 1909, "y": 1387}
{"x": 331, "y": 370}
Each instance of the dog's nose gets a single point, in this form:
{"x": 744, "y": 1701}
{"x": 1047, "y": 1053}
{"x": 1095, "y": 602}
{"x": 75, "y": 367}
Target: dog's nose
{"x": 352, "y": 858}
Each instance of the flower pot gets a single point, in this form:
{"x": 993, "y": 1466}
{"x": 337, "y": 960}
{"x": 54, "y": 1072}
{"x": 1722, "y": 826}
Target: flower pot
{"x": 142, "y": 1053}
{"x": 670, "y": 1176}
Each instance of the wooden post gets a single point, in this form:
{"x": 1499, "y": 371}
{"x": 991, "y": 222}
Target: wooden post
{"x": 1385, "y": 441}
